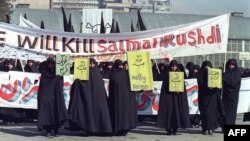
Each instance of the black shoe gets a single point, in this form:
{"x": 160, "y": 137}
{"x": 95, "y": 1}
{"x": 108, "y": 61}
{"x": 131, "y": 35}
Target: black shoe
{"x": 48, "y": 135}
{"x": 169, "y": 132}
{"x": 210, "y": 132}
{"x": 205, "y": 132}
{"x": 56, "y": 132}
{"x": 125, "y": 133}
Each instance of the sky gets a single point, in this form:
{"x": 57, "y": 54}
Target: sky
{"x": 211, "y": 7}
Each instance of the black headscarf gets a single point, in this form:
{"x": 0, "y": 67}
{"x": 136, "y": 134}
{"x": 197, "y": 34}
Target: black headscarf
{"x": 182, "y": 69}
{"x": 172, "y": 63}
{"x": 118, "y": 63}
{"x": 231, "y": 62}
{"x": 45, "y": 70}
{"x": 203, "y": 73}
{"x": 92, "y": 60}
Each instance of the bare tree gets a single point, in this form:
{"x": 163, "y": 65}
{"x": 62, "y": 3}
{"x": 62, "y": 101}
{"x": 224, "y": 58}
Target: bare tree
{"x": 5, "y": 10}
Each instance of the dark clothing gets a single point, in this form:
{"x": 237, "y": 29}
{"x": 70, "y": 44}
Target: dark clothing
{"x": 106, "y": 73}
{"x": 33, "y": 68}
{"x": 122, "y": 102}
{"x": 51, "y": 104}
{"x": 173, "y": 107}
{"x": 209, "y": 101}
{"x": 88, "y": 108}
{"x": 231, "y": 88}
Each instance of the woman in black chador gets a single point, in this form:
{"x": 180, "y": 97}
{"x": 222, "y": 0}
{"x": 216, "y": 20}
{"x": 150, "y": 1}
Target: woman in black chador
{"x": 88, "y": 107}
{"x": 122, "y": 102}
{"x": 52, "y": 111}
{"x": 209, "y": 101}
{"x": 231, "y": 88}
{"x": 173, "y": 108}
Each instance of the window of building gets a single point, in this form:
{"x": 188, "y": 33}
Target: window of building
{"x": 23, "y": 5}
{"x": 236, "y": 45}
{"x": 247, "y": 46}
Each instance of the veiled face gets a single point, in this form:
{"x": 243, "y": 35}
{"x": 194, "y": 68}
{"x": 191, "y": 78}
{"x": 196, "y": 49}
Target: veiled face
{"x": 91, "y": 65}
{"x": 207, "y": 66}
{"x": 30, "y": 63}
{"x": 51, "y": 65}
{"x": 125, "y": 66}
{"x": 120, "y": 66}
{"x": 231, "y": 66}
{"x": 173, "y": 68}
{"x": 10, "y": 66}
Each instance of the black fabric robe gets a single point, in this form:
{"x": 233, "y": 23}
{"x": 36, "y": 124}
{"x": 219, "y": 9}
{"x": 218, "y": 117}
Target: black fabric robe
{"x": 51, "y": 104}
{"x": 173, "y": 108}
{"x": 209, "y": 101}
{"x": 122, "y": 102}
{"x": 231, "y": 88}
{"x": 88, "y": 108}
{"x": 33, "y": 68}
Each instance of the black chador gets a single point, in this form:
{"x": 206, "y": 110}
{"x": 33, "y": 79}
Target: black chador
{"x": 231, "y": 88}
{"x": 52, "y": 111}
{"x": 88, "y": 108}
{"x": 209, "y": 101}
{"x": 173, "y": 108}
{"x": 122, "y": 103}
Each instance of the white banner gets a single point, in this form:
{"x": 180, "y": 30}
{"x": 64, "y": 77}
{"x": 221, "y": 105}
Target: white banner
{"x": 91, "y": 20}
{"x": 19, "y": 90}
{"x": 198, "y": 38}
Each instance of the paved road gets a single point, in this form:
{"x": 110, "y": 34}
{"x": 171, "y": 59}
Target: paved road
{"x": 146, "y": 131}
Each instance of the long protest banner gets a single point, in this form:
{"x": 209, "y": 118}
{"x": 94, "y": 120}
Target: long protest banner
{"x": 198, "y": 38}
{"x": 19, "y": 90}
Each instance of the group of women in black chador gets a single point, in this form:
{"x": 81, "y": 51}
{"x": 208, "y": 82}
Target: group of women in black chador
{"x": 93, "y": 111}
{"x": 216, "y": 108}
{"x": 89, "y": 109}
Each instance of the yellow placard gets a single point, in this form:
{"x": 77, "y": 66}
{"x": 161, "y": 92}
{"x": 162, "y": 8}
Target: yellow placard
{"x": 81, "y": 68}
{"x": 140, "y": 71}
{"x": 214, "y": 78}
{"x": 176, "y": 81}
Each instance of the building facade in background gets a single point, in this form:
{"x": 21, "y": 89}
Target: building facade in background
{"x": 75, "y": 4}
{"x": 153, "y": 6}
{"x": 118, "y": 5}
{"x": 146, "y": 6}
{"x": 33, "y": 4}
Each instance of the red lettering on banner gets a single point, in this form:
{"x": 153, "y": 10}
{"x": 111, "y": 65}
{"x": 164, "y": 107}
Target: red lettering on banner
{"x": 146, "y": 44}
{"x": 102, "y": 48}
{"x": 112, "y": 46}
{"x": 191, "y": 35}
{"x": 121, "y": 47}
{"x": 132, "y": 45}
{"x": 200, "y": 37}
{"x": 168, "y": 40}
{"x": 211, "y": 38}
{"x": 217, "y": 33}
{"x": 181, "y": 39}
